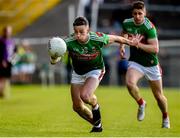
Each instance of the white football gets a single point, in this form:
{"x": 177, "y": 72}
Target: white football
{"x": 56, "y": 47}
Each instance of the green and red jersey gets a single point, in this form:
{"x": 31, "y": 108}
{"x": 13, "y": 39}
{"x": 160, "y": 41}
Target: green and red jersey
{"x": 148, "y": 31}
{"x": 87, "y": 57}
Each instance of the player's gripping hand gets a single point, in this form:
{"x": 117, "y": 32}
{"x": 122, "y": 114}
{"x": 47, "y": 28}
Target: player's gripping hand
{"x": 54, "y": 60}
{"x": 136, "y": 40}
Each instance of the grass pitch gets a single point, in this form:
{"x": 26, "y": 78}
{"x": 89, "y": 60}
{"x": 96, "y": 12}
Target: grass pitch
{"x": 33, "y": 111}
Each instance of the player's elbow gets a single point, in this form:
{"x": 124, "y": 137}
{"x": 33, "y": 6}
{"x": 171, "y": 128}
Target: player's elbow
{"x": 85, "y": 97}
{"x": 156, "y": 50}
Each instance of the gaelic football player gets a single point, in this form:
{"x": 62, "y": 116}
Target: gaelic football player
{"x": 84, "y": 48}
{"x": 143, "y": 61}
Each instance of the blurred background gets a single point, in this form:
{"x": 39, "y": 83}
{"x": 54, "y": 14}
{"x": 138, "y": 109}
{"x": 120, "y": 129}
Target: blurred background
{"x": 34, "y": 22}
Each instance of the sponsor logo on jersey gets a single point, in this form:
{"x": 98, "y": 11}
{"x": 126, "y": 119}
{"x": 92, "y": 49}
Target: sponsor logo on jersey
{"x": 84, "y": 56}
{"x": 129, "y": 29}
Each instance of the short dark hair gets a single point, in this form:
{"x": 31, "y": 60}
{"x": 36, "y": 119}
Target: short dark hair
{"x": 138, "y": 5}
{"x": 80, "y": 21}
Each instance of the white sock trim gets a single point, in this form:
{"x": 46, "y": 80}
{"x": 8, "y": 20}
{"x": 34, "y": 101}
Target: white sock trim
{"x": 98, "y": 126}
{"x": 96, "y": 107}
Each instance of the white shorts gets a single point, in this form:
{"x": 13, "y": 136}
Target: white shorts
{"x": 150, "y": 73}
{"x": 80, "y": 79}
{"x": 16, "y": 69}
{"x": 28, "y": 68}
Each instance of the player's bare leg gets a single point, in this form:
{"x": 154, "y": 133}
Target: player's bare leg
{"x": 2, "y": 87}
{"x": 78, "y": 104}
{"x": 87, "y": 91}
{"x": 132, "y": 78}
{"x": 157, "y": 90}
{"x": 87, "y": 95}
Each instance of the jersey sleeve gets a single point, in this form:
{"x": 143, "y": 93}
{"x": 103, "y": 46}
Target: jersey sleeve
{"x": 124, "y": 26}
{"x": 103, "y": 38}
{"x": 68, "y": 39}
{"x": 152, "y": 33}
{"x": 106, "y": 39}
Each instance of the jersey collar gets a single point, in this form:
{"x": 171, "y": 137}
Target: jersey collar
{"x": 86, "y": 41}
{"x": 138, "y": 24}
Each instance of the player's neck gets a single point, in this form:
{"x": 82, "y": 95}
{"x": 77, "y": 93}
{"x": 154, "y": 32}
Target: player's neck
{"x": 86, "y": 41}
{"x": 139, "y": 24}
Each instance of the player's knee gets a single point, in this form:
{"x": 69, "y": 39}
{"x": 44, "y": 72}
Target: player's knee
{"x": 85, "y": 97}
{"x": 130, "y": 84}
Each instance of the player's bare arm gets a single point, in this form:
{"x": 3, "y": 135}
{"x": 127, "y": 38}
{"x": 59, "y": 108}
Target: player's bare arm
{"x": 122, "y": 46}
{"x": 120, "y": 39}
{"x": 151, "y": 47}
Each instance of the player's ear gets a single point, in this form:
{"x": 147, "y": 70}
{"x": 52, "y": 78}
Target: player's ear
{"x": 145, "y": 13}
{"x": 88, "y": 29}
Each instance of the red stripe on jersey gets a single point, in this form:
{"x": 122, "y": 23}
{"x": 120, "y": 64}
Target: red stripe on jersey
{"x": 152, "y": 25}
{"x": 99, "y": 34}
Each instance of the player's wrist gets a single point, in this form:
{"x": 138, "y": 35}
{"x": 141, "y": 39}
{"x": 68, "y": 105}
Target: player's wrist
{"x": 54, "y": 60}
{"x": 138, "y": 45}
{"x": 127, "y": 42}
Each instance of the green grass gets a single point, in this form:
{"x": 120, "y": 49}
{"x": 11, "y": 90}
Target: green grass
{"x": 33, "y": 111}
